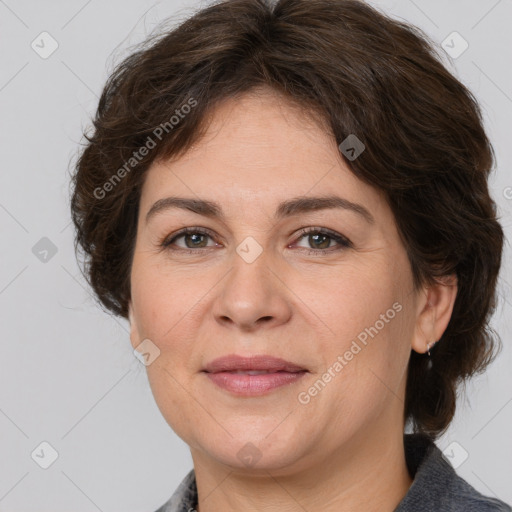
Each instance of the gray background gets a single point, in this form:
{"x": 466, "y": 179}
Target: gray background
{"x": 68, "y": 375}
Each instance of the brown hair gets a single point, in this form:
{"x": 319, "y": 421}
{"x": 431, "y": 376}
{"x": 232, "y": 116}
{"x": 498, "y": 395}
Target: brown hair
{"x": 363, "y": 73}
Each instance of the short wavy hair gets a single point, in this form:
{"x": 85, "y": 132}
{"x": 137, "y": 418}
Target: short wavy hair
{"x": 362, "y": 73}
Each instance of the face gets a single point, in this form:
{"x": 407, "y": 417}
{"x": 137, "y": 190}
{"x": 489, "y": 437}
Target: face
{"x": 322, "y": 285}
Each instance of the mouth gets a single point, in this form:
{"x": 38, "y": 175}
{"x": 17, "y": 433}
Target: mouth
{"x": 252, "y": 376}
{"x": 256, "y": 363}
{"x": 254, "y": 372}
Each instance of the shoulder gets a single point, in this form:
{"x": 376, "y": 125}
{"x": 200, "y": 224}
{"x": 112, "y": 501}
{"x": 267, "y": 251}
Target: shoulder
{"x": 436, "y": 485}
{"x": 467, "y": 498}
{"x": 184, "y": 498}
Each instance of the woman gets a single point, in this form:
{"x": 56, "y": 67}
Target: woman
{"x": 289, "y": 202}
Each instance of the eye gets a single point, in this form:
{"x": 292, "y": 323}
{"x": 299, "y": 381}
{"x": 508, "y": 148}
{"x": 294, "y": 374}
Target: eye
{"x": 320, "y": 240}
{"x": 193, "y": 238}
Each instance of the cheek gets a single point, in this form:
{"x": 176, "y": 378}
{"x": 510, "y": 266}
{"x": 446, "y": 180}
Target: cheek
{"x": 160, "y": 301}
{"x": 361, "y": 306}
{"x": 162, "y": 318}
{"x": 179, "y": 408}
{"x": 369, "y": 339}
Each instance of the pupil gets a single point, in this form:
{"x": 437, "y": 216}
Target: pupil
{"x": 326, "y": 237}
{"x": 196, "y": 237}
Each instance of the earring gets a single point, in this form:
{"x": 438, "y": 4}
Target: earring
{"x": 428, "y": 347}
{"x": 429, "y": 363}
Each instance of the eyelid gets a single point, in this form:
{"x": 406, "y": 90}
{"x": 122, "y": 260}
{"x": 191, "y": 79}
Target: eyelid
{"x": 168, "y": 239}
{"x": 340, "y": 239}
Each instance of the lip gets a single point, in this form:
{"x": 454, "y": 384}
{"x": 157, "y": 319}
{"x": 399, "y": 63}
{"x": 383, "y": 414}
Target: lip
{"x": 279, "y": 373}
{"x": 235, "y": 362}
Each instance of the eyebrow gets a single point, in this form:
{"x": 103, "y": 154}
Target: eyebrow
{"x": 287, "y": 208}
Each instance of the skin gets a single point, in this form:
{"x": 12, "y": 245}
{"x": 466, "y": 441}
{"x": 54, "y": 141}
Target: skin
{"x": 342, "y": 451}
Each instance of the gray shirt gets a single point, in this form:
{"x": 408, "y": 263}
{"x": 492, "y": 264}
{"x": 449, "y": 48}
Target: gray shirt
{"x": 436, "y": 486}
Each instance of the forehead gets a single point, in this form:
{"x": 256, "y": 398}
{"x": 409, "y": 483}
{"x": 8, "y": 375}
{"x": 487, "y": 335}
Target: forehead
{"x": 259, "y": 149}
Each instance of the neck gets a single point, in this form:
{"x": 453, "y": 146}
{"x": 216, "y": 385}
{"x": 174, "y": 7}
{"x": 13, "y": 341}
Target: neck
{"x": 370, "y": 474}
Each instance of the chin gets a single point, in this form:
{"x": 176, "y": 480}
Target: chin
{"x": 255, "y": 448}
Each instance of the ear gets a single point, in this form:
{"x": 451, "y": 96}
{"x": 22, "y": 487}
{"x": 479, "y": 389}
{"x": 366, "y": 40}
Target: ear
{"x": 434, "y": 311}
{"x": 134, "y": 331}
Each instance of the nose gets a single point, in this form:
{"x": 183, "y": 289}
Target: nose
{"x": 253, "y": 295}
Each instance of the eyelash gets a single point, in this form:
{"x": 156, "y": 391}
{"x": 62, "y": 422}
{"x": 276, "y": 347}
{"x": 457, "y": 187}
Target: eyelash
{"x": 344, "y": 242}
